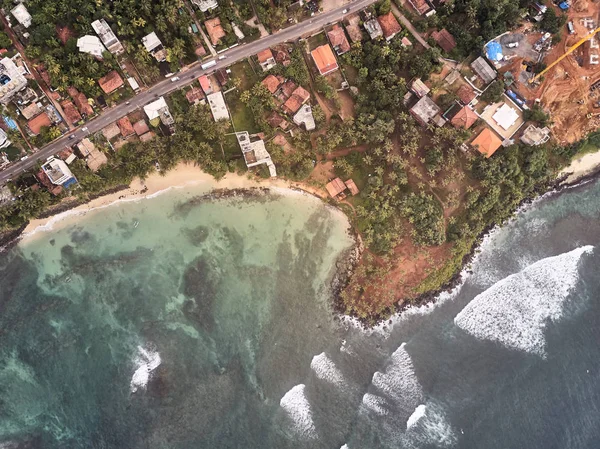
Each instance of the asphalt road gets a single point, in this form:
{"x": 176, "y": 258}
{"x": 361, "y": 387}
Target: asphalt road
{"x": 111, "y": 115}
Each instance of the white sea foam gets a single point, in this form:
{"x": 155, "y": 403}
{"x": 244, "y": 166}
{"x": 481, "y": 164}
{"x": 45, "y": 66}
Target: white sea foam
{"x": 431, "y": 429}
{"x": 345, "y": 446}
{"x": 420, "y": 412}
{"x": 326, "y": 370}
{"x": 297, "y": 407}
{"x": 146, "y": 362}
{"x": 375, "y": 404}
{"x": 515, "y": 310}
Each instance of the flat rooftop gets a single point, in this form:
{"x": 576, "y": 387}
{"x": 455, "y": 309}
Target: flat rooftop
{"x": 505, "y": 132}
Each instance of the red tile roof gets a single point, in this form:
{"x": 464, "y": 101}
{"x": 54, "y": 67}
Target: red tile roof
{"x": 464, "y": 118}
{"x": 71, "y": 113}
{"x": 111, "y": 82}
{"x": 214, "y": 30}
{"x": 324, "y": 59}
{"x": 487, "y": 142}
{"x": 125, "y": 126}
{"x": 389, "y": 25}
{"x": 421, "y": 6}
{"x": 444, "y": 39}
{"x": 297, "y": 99}
{"x": 141, "y": 127}
{"x": 205, "y": 84}
{"x": 36, "y": 123}
{"x": 265, "y": 55}
{"x": 338, "y": 40}
{"x": 272, "y": 83}
{"x": 465, "y": 94}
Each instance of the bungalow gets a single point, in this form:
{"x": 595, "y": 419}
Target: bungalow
{"x": 484, "y": 70}
{"x": 444, "y": 39}
{"x": 487, "y": 142}
{"x": 254, "y": 152}
{"x": 419, "y": 88}
{"x": 31, "y": 110}
{"x": 205, "y": 84}
{"x": 111, "y": 82}
{"x": 36, "y": 124}
{"x": 389, "y": 25}
{"x": 272, "y": 83}
{"x": 423, "y": 7}
{"x": 266, "y": 59}
{"x": 426, "y": 111}
{"x": 91, "y": 45}
{"x": 141, "y": 127}
{"x": 154, "y": 46}
{"x": 111, "y": 131}
{"x": 336, "y": 188}
{"x": 373, "y": 28}
{"x": 324, "y": 59}
{"x": 218, "y": 106}
{"x": 194, "y": 95}
{"x": 125, "y": 127}
{"x": 276, "y": 120}
{"x": 214, "y": 30}
{"x": 80, "y": 101}
{"x": 71, "y": 113}
{"x": 159, "y": 110}
{"x": 305, "y": 117}
{"x": 464, "y": 118}
{"x": 22, "y": 15}
{"x": 296, "y": 100}
{"x": 338, "y": 40}
{"x": 94, "y": 158}
{"x": 353, "y": 28}
{"x": 465, "y": 94}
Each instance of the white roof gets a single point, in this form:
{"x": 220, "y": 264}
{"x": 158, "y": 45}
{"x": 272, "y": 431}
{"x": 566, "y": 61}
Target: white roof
{"x": 505, "y": 116}
{"x": 90, "y": 44}
{"x": 152, "y": 109}
{"x": 151, "y": 41}
{"x": 133, "y": 83}
{"x": 305, "y": 116}
{"x": 22, "y": 15}
{"x": 217, "y": 106}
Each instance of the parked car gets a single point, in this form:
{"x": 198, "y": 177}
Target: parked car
{"x": 175, "y": 78}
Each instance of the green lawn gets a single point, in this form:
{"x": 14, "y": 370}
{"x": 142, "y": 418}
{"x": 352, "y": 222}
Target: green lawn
{"x": 243, "y": 71}
{"x": 316, "y": 41}
{"x": 242, "y": 117}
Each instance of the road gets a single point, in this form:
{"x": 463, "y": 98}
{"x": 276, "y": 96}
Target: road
{"x": 231, "y": 56}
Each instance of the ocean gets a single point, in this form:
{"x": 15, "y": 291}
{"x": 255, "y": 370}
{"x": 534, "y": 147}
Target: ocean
{"x": 195, "y": 321}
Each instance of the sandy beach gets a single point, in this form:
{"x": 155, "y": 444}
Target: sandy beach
{"x": 183, "y": 175}
{"x": 581, "y": 167}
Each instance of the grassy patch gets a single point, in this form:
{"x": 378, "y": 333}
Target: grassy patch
{"x": 231, "y": 148}
{"x": 585, "y": 149}
{"x": 244, "y": 72}
{"x": 242, "y": 116}
{"x": 316, "y": 41}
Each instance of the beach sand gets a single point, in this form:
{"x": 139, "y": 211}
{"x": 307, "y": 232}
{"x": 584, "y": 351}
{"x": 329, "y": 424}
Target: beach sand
{"x": 181, "y": 176}
{"x": 579, "y": 168}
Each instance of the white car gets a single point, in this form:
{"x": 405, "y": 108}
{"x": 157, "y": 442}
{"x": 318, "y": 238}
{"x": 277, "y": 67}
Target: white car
{"x": 84, "y": 129}
{"x": 175, "y": 78}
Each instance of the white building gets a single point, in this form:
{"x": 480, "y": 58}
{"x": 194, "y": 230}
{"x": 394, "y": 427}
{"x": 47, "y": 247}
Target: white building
{"x": 305, "y": 117}
{"x": 205, "y": 5}
{"x": 4, "y": 142}
{"x": 159, "y": 109}
{"x": 133, "y": 84}
{"x": 218, "y": 106}
{"x": 91, "y": 45}
{"x": 151, "y": 42}
{"x": 22, "y": 15}
{"x": 105, "y": 33}
{"x": 58, "y": 172}
{"x": 255, "y": 152}
{"x": 505, "y": 116}
{"x": 12, "y": 80}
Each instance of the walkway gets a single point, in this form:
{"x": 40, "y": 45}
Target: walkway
{"x": 199, "y": 25}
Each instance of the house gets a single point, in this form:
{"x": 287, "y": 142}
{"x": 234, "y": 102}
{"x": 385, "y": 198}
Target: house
{"x": 535, "y": 136}
{"x": 222, "y": 76}
{"x": 141, "y": 127}
{"x": 22, "y": 15}
{"x": 505, "y": 116}
{"x": 373, "y": 28}
{"x": 484, "y": 70}
{"x": 4, "y": 140}
{"x": 282, "y": 55}
{"x": 254, "y": 152}
{"x": 194, "y": 95}
{"x": 237, "y": 31}
{"x": 272, "y": 83}
{"x": 205, "y": 5}
{"x": 352, "y": 187}
{"x": 58, "y": 172}
{"x": 45, "y": 181}
{"x": 159, "y": 110}
{"x": 465, "y": 94}
{"x": 218, "y": 106}
{"x": 389, "y": 25}
{"x": 154, "y": 46}
{"x": 487, "y": 142}
{"x": 266, "y": 59}
{"x": 31, "y": 110}
{"x": 296, "y": 100}
{"x": 276, "y": 120}
{"x": 91, "y": 45}
{"x": 405, "y": 42}
{"x": 36, "y": 124}
{"x": 352, "y": 25}
{"x": 338, "y": 40}
{"x": 108, "y": 38}
{"x": 205, "y": 84}
{"x": 444, "y": 39}
{"x": 286, "y": 90}
{"x": 111, "y": 82}
{"x": 125, "y": 126}
{"x": 12, "y": 80}
{"x": 464, "y": 118}
{"x": 215, "y": 30}
{"x": 305, "y": 117}
{"x": 148, "y": 136}
{"x": 324, "y": 59}
{"x": 111, "y": 131}
{"x": 133, "y": 83}
{"x": 80, "y": 101}
{"x": 336, "y": 189}
{"x": 422, "y": 7}
{"x": 25, "y": 96}
{"x": 71, "y": 113}
{"x": 94, "y": 158}
{"x": 425, "y": 111}
{"x": 419, "y": 88}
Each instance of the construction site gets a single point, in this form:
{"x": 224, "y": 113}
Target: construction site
{"x": 569, "y": 87}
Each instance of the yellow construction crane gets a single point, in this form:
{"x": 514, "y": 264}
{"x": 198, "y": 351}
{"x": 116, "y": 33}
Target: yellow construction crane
{"x": 567, "y": 53}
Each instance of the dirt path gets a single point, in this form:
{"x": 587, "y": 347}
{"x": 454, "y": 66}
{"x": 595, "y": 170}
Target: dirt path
{"x": 204, "y": 36}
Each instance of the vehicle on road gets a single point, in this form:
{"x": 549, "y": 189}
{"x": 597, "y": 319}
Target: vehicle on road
{"x": 72, "y": 136}
{"x": 208, "y": 64}
{"x": 222, "y": 57}
{"x": 128, "y": 102}
{"x": 345, "y": 11}
{"x": 85, "y": 128}
{"x": 24, "y": 158}
{"x": 192, "y": 77}
{"x": 175, "y": 78}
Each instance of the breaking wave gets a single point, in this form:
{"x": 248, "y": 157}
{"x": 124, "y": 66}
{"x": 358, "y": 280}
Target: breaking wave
{"x": 325, "y": 369}
{"x": 146, "y": 362}
{"x": 297, "y": 407}
{"x": 416, "y": 416}
{"x": 514, "y": 311}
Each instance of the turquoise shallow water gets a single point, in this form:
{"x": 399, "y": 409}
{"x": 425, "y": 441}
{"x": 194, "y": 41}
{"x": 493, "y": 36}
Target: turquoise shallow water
{"x": 181, "y": 322}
